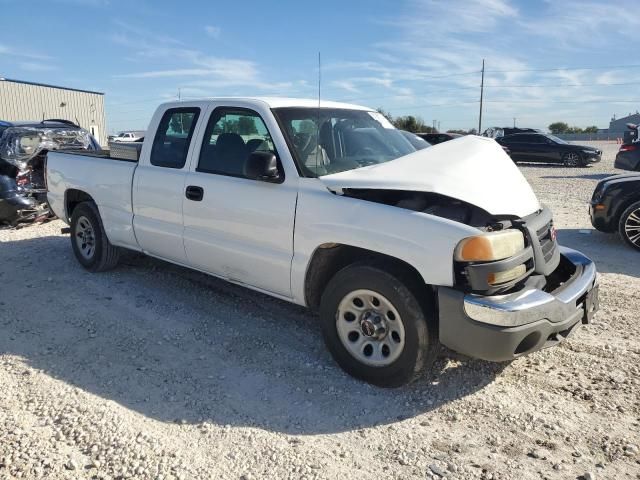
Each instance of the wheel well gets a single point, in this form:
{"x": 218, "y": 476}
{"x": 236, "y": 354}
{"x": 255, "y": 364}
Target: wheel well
{"x": 626, "y": 203}
{"x": 73, "y": 198}
{"x": 330, "y": 258}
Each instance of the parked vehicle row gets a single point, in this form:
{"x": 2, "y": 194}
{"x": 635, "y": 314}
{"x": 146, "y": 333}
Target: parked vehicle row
{"x": 332, "y": 208}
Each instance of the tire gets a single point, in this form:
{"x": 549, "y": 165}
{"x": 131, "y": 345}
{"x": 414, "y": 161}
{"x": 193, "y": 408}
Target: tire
{"x": 572, "y": 159}
{"x": 89, "y": 241}
{"x": 629, "y": 225}
{"x": 407, "y": 317}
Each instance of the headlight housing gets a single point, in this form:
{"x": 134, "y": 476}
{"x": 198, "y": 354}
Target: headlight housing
{"x": 494, "y": 261}
{"x": 490, "y": 246}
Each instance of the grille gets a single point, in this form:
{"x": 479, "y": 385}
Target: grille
{"x": 547, "y": 243}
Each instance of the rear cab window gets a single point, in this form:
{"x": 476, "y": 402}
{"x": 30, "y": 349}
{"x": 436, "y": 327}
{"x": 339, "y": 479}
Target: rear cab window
{"x": 173, "y": 137}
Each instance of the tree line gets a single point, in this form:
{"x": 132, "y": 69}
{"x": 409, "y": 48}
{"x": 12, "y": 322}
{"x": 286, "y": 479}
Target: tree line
{"x": 562, "y": 127}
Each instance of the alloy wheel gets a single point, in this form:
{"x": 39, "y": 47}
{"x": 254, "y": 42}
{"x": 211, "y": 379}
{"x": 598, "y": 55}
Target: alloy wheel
{"x": 571, "y": 159}
{"x": 632, "y": 227}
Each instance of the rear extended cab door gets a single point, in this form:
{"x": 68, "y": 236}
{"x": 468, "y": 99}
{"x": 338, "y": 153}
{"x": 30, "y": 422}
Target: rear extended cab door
{"x": 159, "y": 181}
{"x": 236, "y": 227}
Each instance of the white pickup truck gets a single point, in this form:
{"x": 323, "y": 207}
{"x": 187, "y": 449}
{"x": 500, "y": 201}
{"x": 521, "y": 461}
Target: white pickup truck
{"x": 330, "y": 207}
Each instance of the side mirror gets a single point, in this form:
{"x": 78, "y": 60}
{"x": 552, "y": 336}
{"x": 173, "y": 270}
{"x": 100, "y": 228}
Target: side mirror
{"x": 263, "y": 166}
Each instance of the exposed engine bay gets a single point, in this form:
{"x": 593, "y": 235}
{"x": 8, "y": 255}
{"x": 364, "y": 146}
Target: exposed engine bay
{"x": 433, "y": 204}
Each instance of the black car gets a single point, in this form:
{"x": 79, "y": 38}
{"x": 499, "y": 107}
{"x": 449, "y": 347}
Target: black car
{"x": 435, "y": 138}
{"x": 628, "y": 157}
{"x": 615, "y": 206}
{"x": 417, "y": 142}
{"x": 542, "y": 147}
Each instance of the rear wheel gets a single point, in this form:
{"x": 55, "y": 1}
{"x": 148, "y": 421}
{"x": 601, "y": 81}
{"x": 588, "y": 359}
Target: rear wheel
{"x": 89, "y": 241}
{"x": 376, "y": 326}
{"x": 572, "y": 159}
{"x": 629, "y": 225}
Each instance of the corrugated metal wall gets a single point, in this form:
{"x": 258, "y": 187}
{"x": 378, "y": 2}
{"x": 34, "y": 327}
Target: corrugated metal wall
{"x": 23, "y": 101}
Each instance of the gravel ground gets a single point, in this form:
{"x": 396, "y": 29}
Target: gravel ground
{"x": 154, "y": 371}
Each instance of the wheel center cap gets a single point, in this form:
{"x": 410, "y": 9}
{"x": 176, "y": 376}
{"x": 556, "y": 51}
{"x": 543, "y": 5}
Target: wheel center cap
{"x": 372, "y": 325}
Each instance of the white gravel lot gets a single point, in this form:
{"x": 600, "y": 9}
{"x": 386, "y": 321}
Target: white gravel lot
{"x": 154, "y": 371}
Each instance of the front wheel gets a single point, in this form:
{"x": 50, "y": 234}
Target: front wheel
{"x": 572, "y": 159}
{"x": 89, "y": 240}
{"x": 376, "y": 327}
{"x": 629, "y": 225}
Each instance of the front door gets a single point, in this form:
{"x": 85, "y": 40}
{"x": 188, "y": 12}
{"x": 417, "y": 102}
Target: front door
{"x": 235, "y": 227}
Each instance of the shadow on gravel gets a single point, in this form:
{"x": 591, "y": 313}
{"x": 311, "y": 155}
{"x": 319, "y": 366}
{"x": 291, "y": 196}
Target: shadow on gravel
{"x": 180, "y": 346}
{"x": 592, "y": 176}
{"x": 549, "y": 165}
{"x": 608, "y": 250}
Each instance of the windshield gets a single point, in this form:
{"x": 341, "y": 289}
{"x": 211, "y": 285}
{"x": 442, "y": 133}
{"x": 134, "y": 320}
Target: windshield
{"x": 557, "y": 140}
{"x": 326, "y": 140}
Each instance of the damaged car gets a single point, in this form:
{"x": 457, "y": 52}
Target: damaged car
{"x": 330, "y": 207}
{"x": 23, "y": 149}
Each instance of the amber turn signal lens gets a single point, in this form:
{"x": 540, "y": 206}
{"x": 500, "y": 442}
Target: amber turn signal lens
{"x": 497, "y": 278}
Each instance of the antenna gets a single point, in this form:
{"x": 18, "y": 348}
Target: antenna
{"x": 319, "y": 81}
{"x": 318, "y": 149}
{"x": 481, "y": 94}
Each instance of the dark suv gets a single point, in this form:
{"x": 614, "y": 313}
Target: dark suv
{"x": 542, "y": 147}
{"x": 615, "y": 206}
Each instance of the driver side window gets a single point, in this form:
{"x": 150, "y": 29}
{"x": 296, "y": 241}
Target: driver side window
{"x": 232, "y": 134}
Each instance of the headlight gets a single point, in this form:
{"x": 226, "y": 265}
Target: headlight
{"x": 591, "y": 152}
{"x": 490, "y": 246}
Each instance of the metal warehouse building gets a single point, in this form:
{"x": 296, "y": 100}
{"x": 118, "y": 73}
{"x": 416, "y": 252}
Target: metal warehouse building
{"x": 34, "y": 101}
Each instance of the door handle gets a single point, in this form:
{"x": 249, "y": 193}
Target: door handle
{"x": 194, "y": 193}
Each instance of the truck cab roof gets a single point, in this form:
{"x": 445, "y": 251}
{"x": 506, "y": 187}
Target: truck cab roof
{"x": 275, "y": 102}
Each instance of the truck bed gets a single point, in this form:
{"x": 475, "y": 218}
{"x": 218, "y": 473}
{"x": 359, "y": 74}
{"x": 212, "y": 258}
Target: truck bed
{"x": 107, "y": 179}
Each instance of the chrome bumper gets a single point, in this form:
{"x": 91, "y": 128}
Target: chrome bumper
{"x": 532, "y": 305}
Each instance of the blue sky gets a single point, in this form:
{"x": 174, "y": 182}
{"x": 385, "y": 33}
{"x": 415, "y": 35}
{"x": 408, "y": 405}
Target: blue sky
{"x": 419, "y": 57}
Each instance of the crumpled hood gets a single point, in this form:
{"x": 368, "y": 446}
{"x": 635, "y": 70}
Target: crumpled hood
{"x": 472, "y": 169}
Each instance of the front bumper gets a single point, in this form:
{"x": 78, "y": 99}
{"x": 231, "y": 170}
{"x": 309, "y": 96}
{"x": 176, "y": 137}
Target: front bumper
{"x": 503, "y": 327}
{"x": 601, "y": 217}
{"x": 592, "y": 157}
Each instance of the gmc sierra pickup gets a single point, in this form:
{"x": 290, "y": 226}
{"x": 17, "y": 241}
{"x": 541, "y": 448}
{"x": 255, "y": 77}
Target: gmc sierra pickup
{"x": 330, "y": 207}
